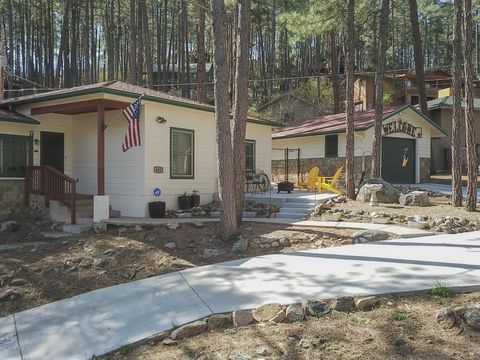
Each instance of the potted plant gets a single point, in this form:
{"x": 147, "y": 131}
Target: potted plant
{"x": 185, "y": 201}
{"x": 195, "y": 198}
{"x": 156, "y": 208}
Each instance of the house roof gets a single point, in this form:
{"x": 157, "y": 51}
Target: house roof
{"x": 280, "y": 97}
{"x": 13, "y": 116}
{"x": 447, "y": 102}
{"x": 122, "y": 89}
{"x": 333, "y": 124}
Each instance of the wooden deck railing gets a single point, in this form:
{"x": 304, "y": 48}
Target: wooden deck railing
{"x": 53, "y": 184}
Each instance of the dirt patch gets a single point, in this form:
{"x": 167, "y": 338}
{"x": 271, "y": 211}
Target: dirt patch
{"x": 67, "y": 266}
{"x": 400, "y": 328}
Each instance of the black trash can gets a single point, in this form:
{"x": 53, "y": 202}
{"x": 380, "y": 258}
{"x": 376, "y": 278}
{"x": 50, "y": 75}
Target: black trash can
{"x": 156, "y": 209}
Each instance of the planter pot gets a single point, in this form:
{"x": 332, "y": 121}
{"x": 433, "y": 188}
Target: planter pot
{"x": 156, "y": 209}
{"x": 195, "y": 201}
{"x": 285, "y": 186}
{"x": 185, "y": 202}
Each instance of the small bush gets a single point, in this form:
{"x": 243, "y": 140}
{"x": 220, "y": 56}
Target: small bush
{"x": 361, "y": 320}
{"x": 399, "y": 314}
{"x": 441, "y": 290}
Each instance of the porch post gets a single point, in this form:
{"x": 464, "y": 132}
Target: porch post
{"x": 100, "y": 148}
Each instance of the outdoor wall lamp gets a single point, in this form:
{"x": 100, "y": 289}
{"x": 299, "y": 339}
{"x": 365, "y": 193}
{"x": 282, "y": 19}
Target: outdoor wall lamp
{"x": 161, "y": 120}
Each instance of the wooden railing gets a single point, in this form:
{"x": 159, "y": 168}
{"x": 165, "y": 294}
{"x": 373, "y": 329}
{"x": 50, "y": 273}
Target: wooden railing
{"x": 53, "y": 184}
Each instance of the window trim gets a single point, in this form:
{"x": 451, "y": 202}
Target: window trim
{"x": 329, "y": 155}
{"x": 192, "y": 133}
{"x": 254, "y": 154}
{"x": 30, "y": 138}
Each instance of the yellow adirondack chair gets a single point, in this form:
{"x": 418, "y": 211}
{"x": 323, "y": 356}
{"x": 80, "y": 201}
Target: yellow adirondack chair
{"x": 329, "y": 183}
{"x": 311, "y": 179}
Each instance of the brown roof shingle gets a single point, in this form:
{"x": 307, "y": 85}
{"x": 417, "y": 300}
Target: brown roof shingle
{"x": 333, "y": 123}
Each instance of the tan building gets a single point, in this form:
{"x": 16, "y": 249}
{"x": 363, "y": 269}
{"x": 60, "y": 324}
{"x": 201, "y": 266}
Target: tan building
{"x": 440, "y": 111}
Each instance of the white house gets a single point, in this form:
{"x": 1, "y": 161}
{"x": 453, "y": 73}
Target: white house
{"x": 80, "y": 131}
{"x": 321, "y": 141}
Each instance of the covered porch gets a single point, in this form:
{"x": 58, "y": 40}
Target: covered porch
{"x": 73, "y": 149}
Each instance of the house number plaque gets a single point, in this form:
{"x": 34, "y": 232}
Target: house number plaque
{"x": 158, "y": 169}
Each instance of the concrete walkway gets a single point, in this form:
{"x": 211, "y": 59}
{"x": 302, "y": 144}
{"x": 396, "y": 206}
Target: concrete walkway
{"x": 103, "y": 320}
{"x": 400, "y": 231}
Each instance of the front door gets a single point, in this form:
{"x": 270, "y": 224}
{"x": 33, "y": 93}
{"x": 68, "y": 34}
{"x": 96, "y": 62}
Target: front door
{"x": 398, "y": 160}
{"x": 52, "y": 150}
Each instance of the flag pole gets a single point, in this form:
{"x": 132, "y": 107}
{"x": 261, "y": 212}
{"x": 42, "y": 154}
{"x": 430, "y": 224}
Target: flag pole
{"x": 120, "y": 113}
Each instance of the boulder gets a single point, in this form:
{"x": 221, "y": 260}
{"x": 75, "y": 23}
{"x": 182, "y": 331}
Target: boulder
{"x": 343, "y": 303}
{"x": 240, "y": 245}
{"x": 242, "y": 317}
{"x": 446, "y": 317}
{"x": 294, "y": 312}
{"x": 157, "y": 338}
{"x": 472, "y": 316}
{"x": 9, "y": 294}
{"x": 269, "y": 312}
{"x": 170, "y": 245}
{"x": 415, "y": 198}
{"x": 315, "y": 308}
{"x": 219, "y": 321}
{"x": 365, "y": 236}
{"x": 10, "y": 226}
{"x": 18, "y": 282}
{"x": 187, "y": 330}
{"x": 366, "y": 303}
{"x": 389, "y": 194}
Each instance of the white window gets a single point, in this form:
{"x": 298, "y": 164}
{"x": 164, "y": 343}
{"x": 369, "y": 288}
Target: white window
{"x": 181, "y": 153}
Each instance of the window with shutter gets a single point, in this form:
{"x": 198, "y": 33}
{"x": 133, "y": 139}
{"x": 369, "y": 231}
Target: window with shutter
{"x": 181, "y": 153}
{"x": 331, "y": 146}
{"x": 16, "y": 153}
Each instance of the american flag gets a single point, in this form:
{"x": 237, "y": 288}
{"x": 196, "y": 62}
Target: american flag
{"x": 132, "y": 113}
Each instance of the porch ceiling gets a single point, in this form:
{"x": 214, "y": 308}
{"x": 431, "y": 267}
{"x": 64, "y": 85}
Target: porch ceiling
{"x": 80, "y": 107}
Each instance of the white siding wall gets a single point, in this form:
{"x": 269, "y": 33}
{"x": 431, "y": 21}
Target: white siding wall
{"x": 263, "y": 146}
{"x": 123, "y": 171}
{"x": 157, "y": 153}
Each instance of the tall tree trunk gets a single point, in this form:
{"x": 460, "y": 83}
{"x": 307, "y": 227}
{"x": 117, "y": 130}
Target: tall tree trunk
{"x": 349, "y": 70}
{"x": 472, "y": 166}
{"x": 201, "y": 71}
{"x": 457, "y": 118}
{"x": 133, "y": 42}
{"x": 334, "y": 66}
{"x": 148, "y": 45}
{"x": 240, "y": 107}
{"x": 419, "y": 57}
{"x": 379, "y": 74}
{"x": 225, "y": 165}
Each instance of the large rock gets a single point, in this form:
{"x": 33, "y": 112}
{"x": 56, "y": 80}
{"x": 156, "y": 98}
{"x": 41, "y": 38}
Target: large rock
{"x": 415, "y": 198}
{"x": 269, "y": 312}
{"x": 389, "y": 194}
{"x": 242, "y": 317}
{"x": 366, "y": 303}
{"x": 472, "y": 316}
{"x": 343, "y": 303}
{"x": 366, "y": 236}
{"x": 10, "y": 226}
{"x": 219, "y": 321}
{"x": 315, "y": 308}
{"x": 295, "y": 313}
{"x": 189, "y": 330}
{"x": 446, "y": 316}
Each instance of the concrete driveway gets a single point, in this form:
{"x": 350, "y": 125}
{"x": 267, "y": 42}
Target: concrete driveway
{"x": 106, "y": 319}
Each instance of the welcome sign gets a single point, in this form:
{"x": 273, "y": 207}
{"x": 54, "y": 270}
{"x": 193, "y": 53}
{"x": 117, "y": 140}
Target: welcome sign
{"x": 401, "y": 126}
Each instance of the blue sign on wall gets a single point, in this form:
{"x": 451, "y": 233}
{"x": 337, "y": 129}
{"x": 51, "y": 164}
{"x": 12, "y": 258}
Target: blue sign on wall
{"x": 157, "y": 192}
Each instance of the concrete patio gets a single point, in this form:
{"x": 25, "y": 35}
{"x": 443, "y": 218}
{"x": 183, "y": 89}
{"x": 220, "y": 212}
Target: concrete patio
{"x": 103, "y": 320}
